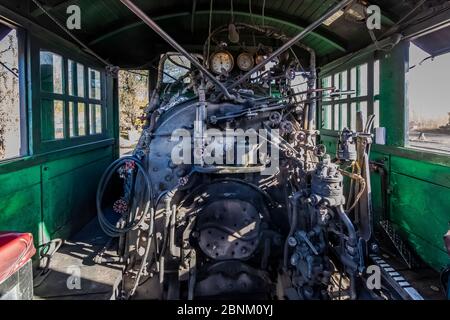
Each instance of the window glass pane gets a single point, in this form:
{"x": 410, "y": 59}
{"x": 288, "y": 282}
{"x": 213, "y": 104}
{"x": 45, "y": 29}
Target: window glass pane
{"x": 98, "y": 118}
{"x": 71, "y": 119}
{"x": 363, "y": 80}
{"x": 326, "y": 117}
{"x": 336, "y": 117}
{"x": 344, "y": 116}
{"x": 376, "y": 112}
{"x": 58, "y": 117}
{"x": 337, "y": 81}
{"x": 10, "y": 121}
{"x": 363, "y": 109}
{"x": 80, "y": 80}
{"x": 71, "y": 65}
{"x": 344, "y": 81}
{"x": 95, "y": 118}
{"x": 81, "y": 119}
{"x": 94, "y": 84}
{"x": 429, "y": 108}
{"x": 353, "y": 83}
{"x": 91, "y": 119}
{"x": 353, "y": 116}
{"x": 53, "y": 119}
{"x": 51, "y": 72}
{"x": 75, "y": 81}
{"x": 376, "y": 78}
{"x": 175, "y": 70}
{"x": 326, "y": 83}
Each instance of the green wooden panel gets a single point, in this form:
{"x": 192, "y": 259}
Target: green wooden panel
{"x": 393, "y": 94}
{"x": 421, "y": 210}
{"x": 376, "y": 185}
{"x": 330, "y": 143}
{"x": 61, "y": 166}
{"x": 12, "y": 182}
{"x": 69, "y": 198}
{"x": 21, "y": 211}
{"x": 69, "y": 186}
{"x": 20, "y": 201}
{"x": 436, "y": 258}
{"x": 433, "y": 173}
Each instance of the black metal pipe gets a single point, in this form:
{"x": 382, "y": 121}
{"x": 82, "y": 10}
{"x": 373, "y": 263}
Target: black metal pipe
{"x": 148, "y": 21}
{"x": 353, "y": 239}
{"x": 312, "y": 84}
{"x": 291, "y": 42}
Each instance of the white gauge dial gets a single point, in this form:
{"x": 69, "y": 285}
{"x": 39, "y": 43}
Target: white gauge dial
{"x": 245, "y": 61}
{"x": 221, "y": 61}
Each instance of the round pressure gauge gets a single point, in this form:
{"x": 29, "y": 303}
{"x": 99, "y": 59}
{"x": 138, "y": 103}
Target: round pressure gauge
{"x": 245, "y": 61}
{"x": 221, "y": 61}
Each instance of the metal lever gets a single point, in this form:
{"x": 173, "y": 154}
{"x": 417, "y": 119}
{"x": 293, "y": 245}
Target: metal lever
{"x": 148, "y": 21}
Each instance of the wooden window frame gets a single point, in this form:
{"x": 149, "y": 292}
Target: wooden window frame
{"x": 348, "y": 100}
{"x": 42, "y": 145}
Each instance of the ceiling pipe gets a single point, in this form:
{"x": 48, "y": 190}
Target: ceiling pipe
{"x": 148, "y": 21}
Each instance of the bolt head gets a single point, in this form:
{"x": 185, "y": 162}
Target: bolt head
{"x": 292, "y": 242}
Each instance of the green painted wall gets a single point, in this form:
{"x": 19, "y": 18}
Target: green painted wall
{"x": 52, "y": 199}
{"x": 20, "y": 200}
{"x": 68, "y": 190}
{"x": 51, "y": 191}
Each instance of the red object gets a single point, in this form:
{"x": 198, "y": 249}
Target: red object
{"x": 15, "y": 250}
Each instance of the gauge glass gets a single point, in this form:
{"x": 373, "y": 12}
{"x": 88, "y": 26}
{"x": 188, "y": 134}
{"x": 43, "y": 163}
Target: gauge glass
{"x": 245, "y": 61}
{"x": 220, "y": 61}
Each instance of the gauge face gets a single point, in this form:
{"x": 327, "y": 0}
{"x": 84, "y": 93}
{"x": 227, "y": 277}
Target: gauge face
{"x": 245, "y": 61}
{"x": 220, "y": 61}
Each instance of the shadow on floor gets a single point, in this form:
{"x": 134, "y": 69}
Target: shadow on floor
{"x": 74, "y": 274}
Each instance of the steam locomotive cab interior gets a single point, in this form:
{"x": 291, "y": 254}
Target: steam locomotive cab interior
{"x": 271, "y": 162}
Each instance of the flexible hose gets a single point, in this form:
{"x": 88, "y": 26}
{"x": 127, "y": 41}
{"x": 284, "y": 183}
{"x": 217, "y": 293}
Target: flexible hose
{"x": 107, "y": 227}
{"x": 113, "y": 231}
{"x": 147, "y": 250}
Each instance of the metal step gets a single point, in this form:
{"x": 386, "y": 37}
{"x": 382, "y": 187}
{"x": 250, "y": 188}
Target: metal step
{"x": 395, "y": 280}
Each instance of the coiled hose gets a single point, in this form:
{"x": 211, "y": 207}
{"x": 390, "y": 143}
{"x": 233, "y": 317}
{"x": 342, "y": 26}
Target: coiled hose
{"x": 107, "y": 227}
{"x": 114, "y": 231}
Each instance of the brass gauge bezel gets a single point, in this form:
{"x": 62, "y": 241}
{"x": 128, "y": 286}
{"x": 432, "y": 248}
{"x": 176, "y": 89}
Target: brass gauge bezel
{"x": 248, "y": 55}
{"x": 230, "y": 56}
